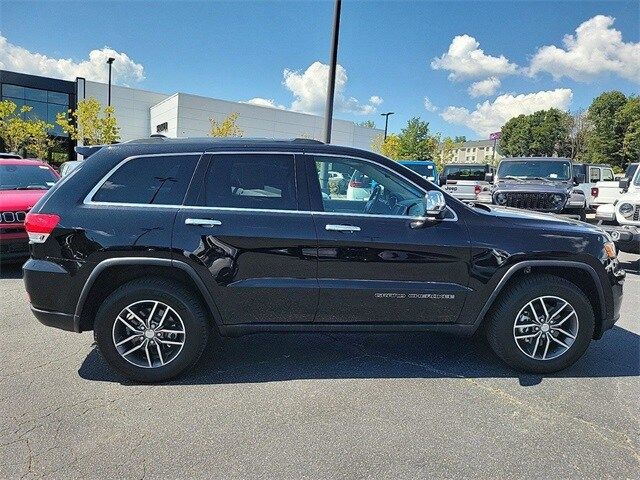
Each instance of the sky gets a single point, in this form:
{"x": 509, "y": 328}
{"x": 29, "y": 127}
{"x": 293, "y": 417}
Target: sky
{"x": 465, "y": 67}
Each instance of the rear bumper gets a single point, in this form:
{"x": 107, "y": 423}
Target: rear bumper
{"x": 63, "y": 321}
{"x": 48, "y": 286}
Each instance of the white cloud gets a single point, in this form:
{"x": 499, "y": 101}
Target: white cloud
{"x": 595, "y": 49}
{"x": 310, "y": 91}
{"x": 429, "y": 106}
{"x": 19, "y": 59}
{"x": 375, "y": 100}
{"x": 490, "y": 116}
{"x": 264, "y": 102}
{"x": 465, "y": 59}
{"x": 484, "y": 88}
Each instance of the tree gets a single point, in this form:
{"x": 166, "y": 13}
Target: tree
{"x": 579, "y": 135}
{"x": 226, "y": 128}
{"x": 628, "y": 121}
{"x": 391, "y": 147}
{"x": 28, "y": 136}
{"x": 415, "y": 141}
{"x": 447, "y": 146}
{"x": 367, "y": 124}
{"x": 86, "y": 124}
{"x": 544, "y": 133}
{"x": 605, "y": 143}
{"x": 460, "y": 139}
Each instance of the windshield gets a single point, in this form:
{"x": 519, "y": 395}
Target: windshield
{"x": 636, "y": 182}
{"x": 631, "y": 170}
{"x": 26, "y": 177}
{"x": 464, "y": 172}
{"x": 526, "y": 169}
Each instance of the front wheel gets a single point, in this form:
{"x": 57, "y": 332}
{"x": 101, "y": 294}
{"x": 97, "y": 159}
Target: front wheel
{"x": 541, "y": 324}
{"x": 151, "y": 329}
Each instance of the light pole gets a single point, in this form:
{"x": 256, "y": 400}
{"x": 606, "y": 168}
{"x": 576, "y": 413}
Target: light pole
{"x": 333, "y": 60}
{"x": 386, "y": 122}
{"x": 110, "y": 62}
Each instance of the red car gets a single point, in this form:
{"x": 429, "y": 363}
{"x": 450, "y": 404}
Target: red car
{"x": 22, "y": 183}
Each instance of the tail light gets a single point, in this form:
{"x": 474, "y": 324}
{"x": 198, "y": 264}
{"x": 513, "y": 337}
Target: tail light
{"x": 355, "y": 184}
{"x": 477, "y": 189}
{"x": 40, "y": 225}
{"x": 594, "y": 192}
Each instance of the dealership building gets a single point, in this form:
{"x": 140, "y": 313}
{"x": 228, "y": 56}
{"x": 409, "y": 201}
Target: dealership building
{"x": 141, "y": 113}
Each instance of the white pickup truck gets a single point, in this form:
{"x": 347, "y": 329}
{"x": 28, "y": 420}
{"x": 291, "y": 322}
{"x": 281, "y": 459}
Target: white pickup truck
{"x": 622, "y": 218}
{"x": 588, "y": 175}
{"x": 607, "y": 192}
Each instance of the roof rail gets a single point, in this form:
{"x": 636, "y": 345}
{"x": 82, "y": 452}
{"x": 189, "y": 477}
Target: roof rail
{"x": 87, "y": 150}
{"x": 307, "y": 140}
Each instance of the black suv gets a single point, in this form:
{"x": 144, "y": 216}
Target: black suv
{"x": 540, "y": 184}
{"x": 157, "y": 245}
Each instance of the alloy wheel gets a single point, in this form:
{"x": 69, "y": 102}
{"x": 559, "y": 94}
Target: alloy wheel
{"x": 148, "y": 334}
{"x": 545, "y": 328}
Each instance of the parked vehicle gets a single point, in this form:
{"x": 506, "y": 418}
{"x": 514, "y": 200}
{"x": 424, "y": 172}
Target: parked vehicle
{"x": 540, "y": 184}
{"x": 22, "y": 183}
{"x": 67, "y": 167}
{"x": 465, "y": 181}
{"x": 588, "y": 175}
{"x": 607, "y": 193}
{"x": 159, "y": 245}
{"x": 622, "y": 218}
{"x": 425, "y": 168}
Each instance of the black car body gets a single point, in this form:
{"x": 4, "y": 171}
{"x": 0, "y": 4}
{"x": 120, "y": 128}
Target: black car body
{"x": 246, "y": 234}
{"x": 539, "y": 184}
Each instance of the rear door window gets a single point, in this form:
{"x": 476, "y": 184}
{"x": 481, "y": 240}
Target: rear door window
{"x": 607, "y": 174}
{"x": 150, "y": 180}
{"x": 255, "y": 181}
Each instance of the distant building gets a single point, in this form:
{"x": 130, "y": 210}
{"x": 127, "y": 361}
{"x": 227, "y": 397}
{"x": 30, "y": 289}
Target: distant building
{"x": 141, "y": 113}
{"x": 475, "y": 151}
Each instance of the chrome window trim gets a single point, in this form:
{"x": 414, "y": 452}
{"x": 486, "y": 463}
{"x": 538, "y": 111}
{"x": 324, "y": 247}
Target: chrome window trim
{"x": 88, "y": 199}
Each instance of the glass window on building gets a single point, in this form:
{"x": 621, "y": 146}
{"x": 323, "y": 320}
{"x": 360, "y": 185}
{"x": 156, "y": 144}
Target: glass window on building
{"x": 45, "y": 104}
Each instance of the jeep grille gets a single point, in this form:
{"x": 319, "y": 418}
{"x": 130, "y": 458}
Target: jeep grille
{"x": 533, "y": 201}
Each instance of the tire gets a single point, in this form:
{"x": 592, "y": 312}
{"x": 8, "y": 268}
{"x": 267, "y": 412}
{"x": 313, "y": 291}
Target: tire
{"x": 513, "y": 310}
{"x": 165, "y": 358}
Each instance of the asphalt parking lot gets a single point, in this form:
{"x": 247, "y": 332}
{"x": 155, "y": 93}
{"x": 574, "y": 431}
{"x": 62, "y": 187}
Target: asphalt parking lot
{"x": 318, "y": 406}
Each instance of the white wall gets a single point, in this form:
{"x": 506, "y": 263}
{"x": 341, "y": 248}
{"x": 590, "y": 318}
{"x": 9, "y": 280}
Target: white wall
{"x": 132, "y": 107}
{"x": 139, "y": 112}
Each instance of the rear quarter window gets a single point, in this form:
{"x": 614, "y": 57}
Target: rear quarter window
{"x": 150, "y": 180}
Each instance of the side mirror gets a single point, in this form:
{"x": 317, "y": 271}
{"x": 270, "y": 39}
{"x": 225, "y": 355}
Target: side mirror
{"x": 580, "y": 178}
{"x": 443, "y": 179}
{"x": 434, "y": 203}
{"x": 488, "y": 177}
{"x": 624, "y": 184}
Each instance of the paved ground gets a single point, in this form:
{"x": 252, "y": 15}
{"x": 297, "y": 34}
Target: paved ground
{"x": 322, "y": 406}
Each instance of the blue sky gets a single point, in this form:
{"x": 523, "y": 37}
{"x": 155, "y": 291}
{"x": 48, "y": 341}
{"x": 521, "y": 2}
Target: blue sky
{"x": 239, "y": 51}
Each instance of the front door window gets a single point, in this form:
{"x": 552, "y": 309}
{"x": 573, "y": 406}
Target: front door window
{"x": 356, "y": 186}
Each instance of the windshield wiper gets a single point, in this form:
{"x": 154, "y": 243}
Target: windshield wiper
{"x": 28, "y": 187}
{"x": 511, "y": 177}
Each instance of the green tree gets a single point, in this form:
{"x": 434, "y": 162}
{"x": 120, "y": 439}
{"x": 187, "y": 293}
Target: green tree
{"x": 28, "y": 136}
{"x": 226, "y": 128}
{"x": 367, "y": 124}
{"x": 460, "y": 139}
{"x": 605, "y": 142}
{"x": 88, "y": 125}
{"x": 447, "y": 146}
{"x": 580, "y": 131}
{"x": 544, "y": 133}
{"x": 415, "y": 141}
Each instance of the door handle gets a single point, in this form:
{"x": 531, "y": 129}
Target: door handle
{"x": 342, "y": 228}
{"x": 202, "y": 222}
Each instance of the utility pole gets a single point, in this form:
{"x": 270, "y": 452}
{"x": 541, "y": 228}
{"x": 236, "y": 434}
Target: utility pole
{"x": 386, "y": 122}
{"x": 110, "y": 62}
{"x": 333, "y": 60}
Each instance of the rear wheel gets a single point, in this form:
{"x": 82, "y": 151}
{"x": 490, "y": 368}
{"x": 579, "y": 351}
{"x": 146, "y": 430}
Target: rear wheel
{"x": 151, "y": 329}
{"x": 542, "y": 324}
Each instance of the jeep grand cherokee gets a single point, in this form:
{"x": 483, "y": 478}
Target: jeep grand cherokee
{"x": 160, "y": 244}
